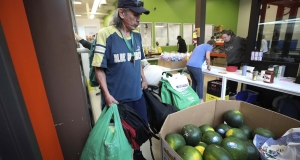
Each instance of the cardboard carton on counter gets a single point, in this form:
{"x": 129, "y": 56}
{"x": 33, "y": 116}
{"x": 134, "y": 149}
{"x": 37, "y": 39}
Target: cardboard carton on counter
{"x": 212, "y": 112}
{"x": 172, "y": 65}
{"x": 220, "y": 62}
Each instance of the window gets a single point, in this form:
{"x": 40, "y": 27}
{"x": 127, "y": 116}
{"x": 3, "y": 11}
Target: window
{"x": 161, "y": 34}
{"x": 145, "y": 29}
{"x": 188, "y": 33}
{"x": 166, "y": 33}
{"x": 173, "y": 32}
{"x": 281, "y": 29}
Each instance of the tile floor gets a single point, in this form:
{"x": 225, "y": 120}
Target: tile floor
{"x": 156, "y": 147}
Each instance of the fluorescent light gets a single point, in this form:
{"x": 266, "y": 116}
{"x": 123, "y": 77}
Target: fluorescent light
{"x": 76, "y": 2}
{"x": 78, "y": 15}
{"x": 103, "y": 2}
{"x": 159, "y": 26}
{"x": 92, "y": 16}
{"x": 95, "y": 6}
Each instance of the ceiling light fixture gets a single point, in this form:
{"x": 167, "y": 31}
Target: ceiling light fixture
{"x": 78, "y": 15}
{"x": 103, "y": 2}
{"x": 76, "y": 2}
{"x": 94, "y": 8}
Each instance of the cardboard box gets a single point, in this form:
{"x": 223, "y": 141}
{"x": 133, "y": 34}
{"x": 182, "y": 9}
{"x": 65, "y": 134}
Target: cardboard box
{"x": 172, "y": 65}
{"x": 212, "y": 112}
{"x": 214, "y": 88}
{"x": 220, "y": 61}
{"x": 219, "y": 65}
{"x": 161, "y": 62}
{"x": 209, "y": 97}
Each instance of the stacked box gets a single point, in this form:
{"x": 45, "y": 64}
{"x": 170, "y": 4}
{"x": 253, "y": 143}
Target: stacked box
{"x": 172, "y": 65}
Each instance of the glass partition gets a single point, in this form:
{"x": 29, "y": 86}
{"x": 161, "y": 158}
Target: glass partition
{"x": 161, "y": 34}
{"x": 279, "y": 29}
{"x": 145, "y": 29}
{"x": 173, "y": 32}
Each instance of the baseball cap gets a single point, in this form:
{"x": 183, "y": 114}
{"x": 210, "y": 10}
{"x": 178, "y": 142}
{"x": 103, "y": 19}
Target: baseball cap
{"x": 136, "y": 6}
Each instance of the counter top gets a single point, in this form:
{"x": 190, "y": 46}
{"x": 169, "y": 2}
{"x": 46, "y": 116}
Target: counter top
{"x": 279, "y": 84}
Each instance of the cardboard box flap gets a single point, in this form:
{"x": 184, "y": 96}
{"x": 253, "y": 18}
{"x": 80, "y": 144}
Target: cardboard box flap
{"x": 255, "y": 116}
{"x": 280, "y": 124}
{"x": 197, "y": 115}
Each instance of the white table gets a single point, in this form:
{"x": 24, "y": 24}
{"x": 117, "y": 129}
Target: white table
{"x": 278, "y": 85}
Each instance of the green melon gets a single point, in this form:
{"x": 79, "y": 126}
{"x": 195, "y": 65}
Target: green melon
{"x": 189, "y": 153}
{"x": 211, "y": 137}
{"x": 202, "y": 144}
{"x": 191, "y": 134}
{"x": 201, "y": 147}
{"x": 175, "y": 140}
{"x": 247, "y": 130}
{"x": 253, "y": 153}
{"x": 206, "y": 127}
{"x": 234, "y": 118}
{"x": 237, "y": 133}
{"x": 222, "y": 129}
{"x": 216, "y": 152}
{"x": 235, "y": 147}
{"x": 263, "y": 132}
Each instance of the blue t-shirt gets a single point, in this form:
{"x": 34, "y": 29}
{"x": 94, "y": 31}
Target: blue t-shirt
{"x": 123, "y": 78}
{"x": 198, "y": 56}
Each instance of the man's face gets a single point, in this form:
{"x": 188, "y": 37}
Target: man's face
{"x": 226, "y": 37}
{"x": 130, "y": 19}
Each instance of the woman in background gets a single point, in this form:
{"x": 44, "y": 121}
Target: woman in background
{"x": 194, "y": 65}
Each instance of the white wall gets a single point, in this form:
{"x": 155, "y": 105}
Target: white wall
{"x": 81, "y": 23}
{"x": 243, "y": 18}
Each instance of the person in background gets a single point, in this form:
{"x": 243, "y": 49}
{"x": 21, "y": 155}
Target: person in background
{"x": 117, "y": 60}
{"x": 181, "y": 45}
{"x": 264, "y": 45}
{"x": 194, "y": 65}
{"x": 235, "y": 54}
{"x": 84, "y": 43}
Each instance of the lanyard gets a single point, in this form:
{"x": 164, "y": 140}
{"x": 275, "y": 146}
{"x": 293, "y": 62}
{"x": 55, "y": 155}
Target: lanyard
{"x": 127, "y": 44}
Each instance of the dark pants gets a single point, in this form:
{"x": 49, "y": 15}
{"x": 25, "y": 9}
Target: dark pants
{"x": 197, "y": 80}
{"x": 232, "y": 84}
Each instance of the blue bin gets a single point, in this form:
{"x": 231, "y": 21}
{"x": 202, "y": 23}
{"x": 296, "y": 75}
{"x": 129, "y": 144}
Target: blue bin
{"x": 247, "y": 96}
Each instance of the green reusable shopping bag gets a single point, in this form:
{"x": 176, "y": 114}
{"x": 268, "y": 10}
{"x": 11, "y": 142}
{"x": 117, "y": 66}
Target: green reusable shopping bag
{"x": 107, "y": 141}
{"x": 165, "y": 94}
{"x": 181, "y": 94}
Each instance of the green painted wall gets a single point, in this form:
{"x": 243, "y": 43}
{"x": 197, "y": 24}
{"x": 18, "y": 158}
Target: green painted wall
{"x": 218, "y": 12}
{"x": 223, "y": 12}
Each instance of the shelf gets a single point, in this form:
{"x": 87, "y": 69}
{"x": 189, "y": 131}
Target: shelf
{"x": 223, "y": 55}
{"x": 219, "y": 43}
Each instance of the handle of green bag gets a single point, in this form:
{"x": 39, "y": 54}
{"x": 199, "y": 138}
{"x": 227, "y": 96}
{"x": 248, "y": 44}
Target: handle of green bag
{"x": 182, "y": 71}
{"x": 167, "y": 74}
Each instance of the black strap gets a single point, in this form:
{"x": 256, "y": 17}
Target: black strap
{"x": 151, "y": 148}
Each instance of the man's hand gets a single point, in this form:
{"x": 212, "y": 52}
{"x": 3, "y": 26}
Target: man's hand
{"x": 208, "y": 68}
{"x": 110, "y": 100}
{"x": 144, "y": 85}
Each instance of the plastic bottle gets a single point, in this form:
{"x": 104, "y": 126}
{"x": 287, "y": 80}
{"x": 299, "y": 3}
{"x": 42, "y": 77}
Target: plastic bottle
{"x": 244, "y": 71}
{"x": 269, "y": 75}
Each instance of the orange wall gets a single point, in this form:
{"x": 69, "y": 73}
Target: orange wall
{"x": 17, "y": 32}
